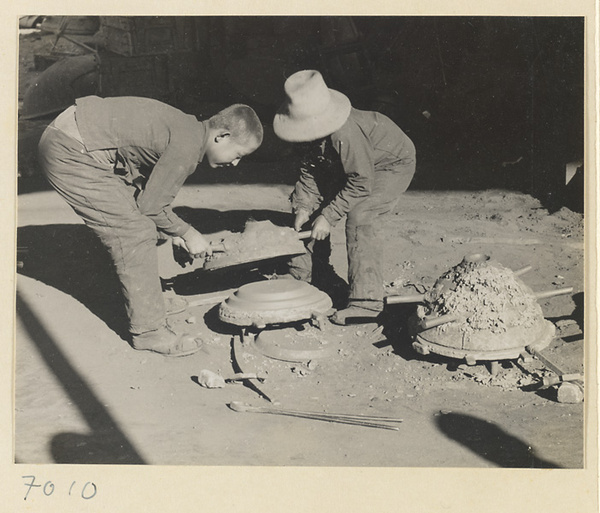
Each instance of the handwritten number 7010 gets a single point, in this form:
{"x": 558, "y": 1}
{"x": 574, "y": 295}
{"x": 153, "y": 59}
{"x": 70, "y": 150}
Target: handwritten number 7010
{"x": 87, "y": 491}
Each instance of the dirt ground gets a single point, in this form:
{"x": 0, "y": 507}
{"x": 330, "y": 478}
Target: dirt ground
{"x": 84, "y": 396}
{"x": 104, "y": 402}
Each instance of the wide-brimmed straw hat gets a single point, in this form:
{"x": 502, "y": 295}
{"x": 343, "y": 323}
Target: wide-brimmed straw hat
{"x": 311, "y": 110}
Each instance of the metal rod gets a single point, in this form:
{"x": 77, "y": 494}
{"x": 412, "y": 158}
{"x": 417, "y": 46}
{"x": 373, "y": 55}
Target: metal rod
{"x": 523, "y": 270}
{"x": 346, "y": 416}
{"x": 551, "y": 293}
{"x": 325, "y": 418}
{"x": 432, "y": 322}
{"x": 411, "y": 298}
{"x": 240, "y": 407}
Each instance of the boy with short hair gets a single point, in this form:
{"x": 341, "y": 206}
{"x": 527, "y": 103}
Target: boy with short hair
{"x": 119, "y": 163}
{"x": 356, "y": 164}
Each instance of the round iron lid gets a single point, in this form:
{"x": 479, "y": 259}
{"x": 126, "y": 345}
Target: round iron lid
{"x": 272, "y": 302}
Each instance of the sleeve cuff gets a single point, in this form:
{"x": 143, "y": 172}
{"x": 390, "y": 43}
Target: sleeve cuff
{"x": 176, "y": 229}
{"x": 331, "y": 216}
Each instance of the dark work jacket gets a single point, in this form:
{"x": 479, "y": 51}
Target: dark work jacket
{"x": 339, "y": 172}
{"x": 157, "y": 148}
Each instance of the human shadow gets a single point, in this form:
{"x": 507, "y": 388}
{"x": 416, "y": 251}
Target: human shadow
{"x": 70, "y": 258}
{"x": 209, "y": 221}
{"x": 199, "y": 281}
{"x": 491, "y": 442}
{"x": 106, "y": 443}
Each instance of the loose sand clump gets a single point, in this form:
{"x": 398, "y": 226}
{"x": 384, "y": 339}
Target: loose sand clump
{"x": 259, "y": 240}
{"x": 485, "y": 297}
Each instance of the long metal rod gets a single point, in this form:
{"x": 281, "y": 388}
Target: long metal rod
{"x": 330, "y": 419}
{"x": 345, "y": 416}
{"x": 243, "y": 407}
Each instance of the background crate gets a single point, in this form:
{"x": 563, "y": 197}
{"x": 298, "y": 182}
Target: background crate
{"x": 147, "y": 35}
{"x": 146, "y": 76}
{"x": 163, "y": 77}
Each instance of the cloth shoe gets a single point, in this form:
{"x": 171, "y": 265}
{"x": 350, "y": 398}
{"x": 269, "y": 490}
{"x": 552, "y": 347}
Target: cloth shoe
{"x": 175, "y": 305}
{"x": 354, "y": 314}
{"x": 166, "y": 342}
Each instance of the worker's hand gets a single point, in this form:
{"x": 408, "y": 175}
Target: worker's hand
{"x": 302, "y": 217}
{"x": 195, "y": 244}
{"x": 181, "y": 254}
{"x": 320, "y": 228}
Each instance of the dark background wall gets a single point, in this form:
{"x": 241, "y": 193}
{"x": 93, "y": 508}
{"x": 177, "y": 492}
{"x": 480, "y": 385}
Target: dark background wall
{"x": 490, "y": 102}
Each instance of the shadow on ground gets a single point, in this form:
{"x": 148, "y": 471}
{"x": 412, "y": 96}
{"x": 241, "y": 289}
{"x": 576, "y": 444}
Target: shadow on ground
{"x": 209, "y": 221}
{"x": 106, "y": 443}
{"x": 487, "y": 440}
{"x": 72, "y": 259}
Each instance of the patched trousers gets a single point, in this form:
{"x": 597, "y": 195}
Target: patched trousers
{"x": 364, "y": 238}
{"x": 107, "y": 205}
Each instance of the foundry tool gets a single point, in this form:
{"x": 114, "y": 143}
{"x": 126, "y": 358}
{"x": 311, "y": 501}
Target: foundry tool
{"x": 479, "y": 310}
{"x": 239, "y": 355}
{"x": 561, "y": 376}
{"x": 210, "y": 379}
{"x": 260, "y": 240}
{"x": 238, "y": 377}
{"x": 569, "y": 386}
{"x": 355, "y": 420}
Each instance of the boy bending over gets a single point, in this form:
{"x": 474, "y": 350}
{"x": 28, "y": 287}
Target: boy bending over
{"x": 119, "y": 162}
{"x": 356, "y": 164}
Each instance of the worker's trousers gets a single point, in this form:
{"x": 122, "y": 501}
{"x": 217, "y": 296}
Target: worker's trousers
{"x": 364, "y": 239}
{"x": 107, "y": 204}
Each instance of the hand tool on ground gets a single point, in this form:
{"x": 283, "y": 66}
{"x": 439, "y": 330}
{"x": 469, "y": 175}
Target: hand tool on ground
{"x": 354, "y": 420}
{"x": 241, "y": 376}
{"x": 238, "y": 351}
{"x": 549, "y": 381}
{"x": 561, "y": 376}
{"x": 209, "y": 379}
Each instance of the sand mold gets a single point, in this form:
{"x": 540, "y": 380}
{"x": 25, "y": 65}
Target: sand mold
{"x": 259, "y": 240}
{"x": 486, "y": 297}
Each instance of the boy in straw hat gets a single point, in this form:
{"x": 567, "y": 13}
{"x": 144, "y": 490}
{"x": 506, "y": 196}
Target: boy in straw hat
{"x": 119, "y": 163}
{"x": 355, "y": 164}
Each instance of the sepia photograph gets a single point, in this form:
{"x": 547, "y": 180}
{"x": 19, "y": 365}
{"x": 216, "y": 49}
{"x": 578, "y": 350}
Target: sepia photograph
{"x": 302, "y": 241}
